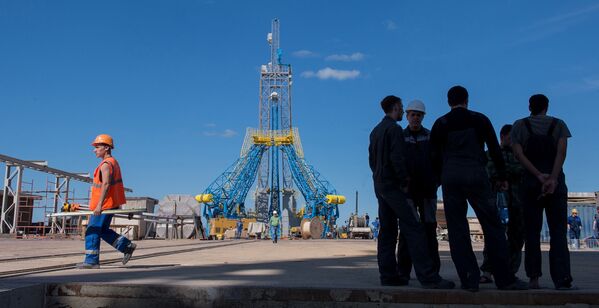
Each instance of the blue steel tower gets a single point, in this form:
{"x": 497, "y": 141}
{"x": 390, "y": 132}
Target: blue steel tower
{"x": 273, "y": 154}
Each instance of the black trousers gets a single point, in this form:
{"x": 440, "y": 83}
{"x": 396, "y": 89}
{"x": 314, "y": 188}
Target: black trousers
{"x": 556, "y": 211}
{"x": 393, "y": 212}
{"x": 427, "y": 209}
{"x": 468, "y": 183}
{"x": 515, "y": 232}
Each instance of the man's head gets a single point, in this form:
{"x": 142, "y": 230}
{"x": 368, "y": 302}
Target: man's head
{"x": 457, "y": 96}
{"x": 504, "y": 135}
{"x": 574, "y": 212}
{"x": 101, "y": 150}
{"x": 538, "y": 104}
{"x": 415, "y": 114}
{"x": 275, "y": 213}
{"x": 103, "y": 144}
{"x": 393, "y": 107}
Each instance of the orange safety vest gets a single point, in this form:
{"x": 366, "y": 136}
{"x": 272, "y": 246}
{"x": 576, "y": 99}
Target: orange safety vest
{"x": 115, "y": 196}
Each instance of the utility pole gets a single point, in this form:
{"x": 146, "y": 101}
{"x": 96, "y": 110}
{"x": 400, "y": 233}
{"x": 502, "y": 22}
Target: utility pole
{"x": 356, "y": 203}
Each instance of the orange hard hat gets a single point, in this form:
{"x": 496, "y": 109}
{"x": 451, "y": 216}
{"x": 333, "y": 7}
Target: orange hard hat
{"x": 104, "y": 139}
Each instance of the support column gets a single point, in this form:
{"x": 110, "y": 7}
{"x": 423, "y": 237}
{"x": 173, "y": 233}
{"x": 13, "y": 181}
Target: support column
{"x": 10, "y": 209}
{"x": 58, "y": 200}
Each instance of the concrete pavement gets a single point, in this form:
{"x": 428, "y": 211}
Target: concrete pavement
{"x": 328, "y": 271}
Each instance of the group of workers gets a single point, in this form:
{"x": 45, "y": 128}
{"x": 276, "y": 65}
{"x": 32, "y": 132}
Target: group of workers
{"x": 410, "y": 164}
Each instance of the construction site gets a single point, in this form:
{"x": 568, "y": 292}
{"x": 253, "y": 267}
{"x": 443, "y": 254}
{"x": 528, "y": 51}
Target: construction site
{"x": 213, "y": 246}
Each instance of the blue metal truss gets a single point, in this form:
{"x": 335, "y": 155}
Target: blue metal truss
{"x": 313, "y": 187}
{"x": 225, "y": 197}
{"x": 230, "y": 189}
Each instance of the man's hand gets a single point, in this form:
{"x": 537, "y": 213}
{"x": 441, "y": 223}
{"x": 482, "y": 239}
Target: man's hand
{"x": 542, "y": 177}
{"x": 98, "y": 210}
{"x": 549, "y": 186}
{"x": 501, "y": 185}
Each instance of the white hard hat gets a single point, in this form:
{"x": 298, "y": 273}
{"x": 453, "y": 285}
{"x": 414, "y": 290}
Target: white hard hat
{"x": 416, "y": 105}
{"x": 274, "y": 212}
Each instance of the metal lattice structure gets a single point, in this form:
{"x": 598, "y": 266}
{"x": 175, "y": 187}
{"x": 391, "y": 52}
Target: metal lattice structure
{"x": 12, "y": 193}
{"x": 273, "y": 155}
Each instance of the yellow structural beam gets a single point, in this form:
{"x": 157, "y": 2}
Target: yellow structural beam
{"x": 284, "y": 140}
{"x": 335, "y": 199}
{"x": 270, "y": 140}
{"x": 204, "y": 198}
{"x": 262, "y": 139}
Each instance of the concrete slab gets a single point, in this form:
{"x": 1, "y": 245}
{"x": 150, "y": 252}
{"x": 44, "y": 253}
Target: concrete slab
{"x": 311, "y": 268}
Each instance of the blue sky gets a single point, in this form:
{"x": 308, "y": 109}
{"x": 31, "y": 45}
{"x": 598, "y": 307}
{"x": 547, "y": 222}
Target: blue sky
{"x": 176, "y": 82}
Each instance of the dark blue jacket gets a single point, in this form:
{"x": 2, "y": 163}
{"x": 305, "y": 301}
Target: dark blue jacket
{"x": 423, "y": 182}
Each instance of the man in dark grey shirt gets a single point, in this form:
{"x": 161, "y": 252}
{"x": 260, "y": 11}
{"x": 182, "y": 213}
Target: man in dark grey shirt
{"x": 539, "y": 143}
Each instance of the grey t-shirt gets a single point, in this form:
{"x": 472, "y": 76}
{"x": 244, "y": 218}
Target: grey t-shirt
{"x": 540, "y": 125}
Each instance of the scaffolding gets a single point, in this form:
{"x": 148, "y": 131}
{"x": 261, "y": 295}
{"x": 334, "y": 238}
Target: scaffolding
{"x": 20, "y": 199}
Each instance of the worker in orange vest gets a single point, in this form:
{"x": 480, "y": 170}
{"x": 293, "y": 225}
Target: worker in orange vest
{"x": 107, "y": 193}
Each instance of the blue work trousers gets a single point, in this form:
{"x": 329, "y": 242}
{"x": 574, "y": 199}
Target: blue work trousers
{"x": 275, "y": 233}
{"x": 99, "y": 228}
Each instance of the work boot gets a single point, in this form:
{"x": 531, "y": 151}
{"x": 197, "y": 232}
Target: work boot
{"x": 394, "y": 282}
{"x": 516, "y": 285}
{"x": 567, "y": 287}
{"x": 128, "y": 252}
{"x": 470, "y": 288}
{"x": 87, "y": 266}
{"x": 441, "y": 284}
{"x": 533, "y": 283}
{"x": 486, "y": 277}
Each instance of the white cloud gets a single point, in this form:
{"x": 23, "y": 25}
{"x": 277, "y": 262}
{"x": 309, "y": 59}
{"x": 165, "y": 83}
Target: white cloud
{"x": 591, "y": 84}
{"x": 304, "y": 54}
{"x": 390, "y": 24}
{"x": 331, "y": 73}
{"x": 356, "y": 56}
{"x": 568, "y": 16}
{"x": 556, "y": 24}
{"x": 227, "y": 133}
{"x": 580, "y": 85}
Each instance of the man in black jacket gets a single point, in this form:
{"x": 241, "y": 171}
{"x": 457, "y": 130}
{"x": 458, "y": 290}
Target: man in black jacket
{"x": 387, "y": 162}
{"x": 458, "y": 139}
{"x": 422, "y": 190}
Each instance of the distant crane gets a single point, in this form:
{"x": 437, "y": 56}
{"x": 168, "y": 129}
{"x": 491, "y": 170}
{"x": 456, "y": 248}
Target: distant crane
{"x": 272, "y": 153}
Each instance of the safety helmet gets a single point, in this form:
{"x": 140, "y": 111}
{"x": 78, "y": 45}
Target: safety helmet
{"x": 416, "y": 105}
{"x": 104, "y": 139}
{"x": 574, "y": 211}
{"x": 274, "y": 212}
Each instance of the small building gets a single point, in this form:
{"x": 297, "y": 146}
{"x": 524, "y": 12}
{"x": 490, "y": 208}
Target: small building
{"x": 586, "y": 205}
{"x": 585, "y": 202}
{"x": 25, "y": 206}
